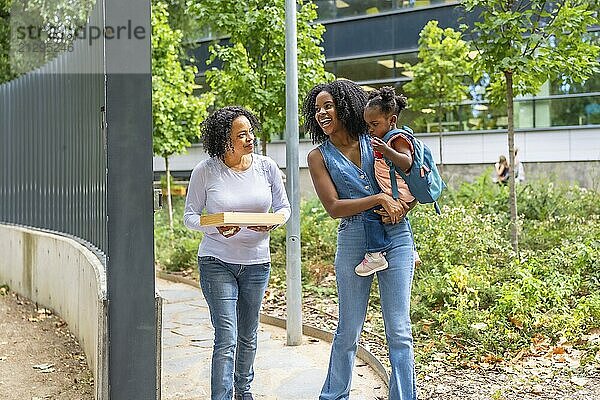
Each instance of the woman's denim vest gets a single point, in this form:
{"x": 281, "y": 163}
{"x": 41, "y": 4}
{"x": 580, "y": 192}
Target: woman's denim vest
{"x": 352, "y": 182}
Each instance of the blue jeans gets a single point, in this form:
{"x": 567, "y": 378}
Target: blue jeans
{"x": 234, "y": 293}
{"x": 353, "y": 292}
{"x": 376, "y": 238}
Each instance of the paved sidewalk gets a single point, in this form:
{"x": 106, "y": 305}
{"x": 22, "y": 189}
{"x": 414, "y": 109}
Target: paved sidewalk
{"x": 281, "y": 372}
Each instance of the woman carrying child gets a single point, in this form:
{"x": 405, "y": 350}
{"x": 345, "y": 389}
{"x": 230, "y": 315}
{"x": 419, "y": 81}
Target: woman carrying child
{"x": 342, "y": 171}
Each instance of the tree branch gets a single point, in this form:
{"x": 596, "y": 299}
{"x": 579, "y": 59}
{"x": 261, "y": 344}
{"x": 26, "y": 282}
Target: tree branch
{"x": 543, "y": 33}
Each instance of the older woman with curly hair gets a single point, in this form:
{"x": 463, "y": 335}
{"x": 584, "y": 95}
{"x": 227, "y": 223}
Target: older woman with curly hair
{"x": 342, "y": 171}
{"x": 234, "y": 262}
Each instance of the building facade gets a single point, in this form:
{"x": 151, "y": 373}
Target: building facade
{"x": 371, "y": 45}
{"x": 368, "y": 41}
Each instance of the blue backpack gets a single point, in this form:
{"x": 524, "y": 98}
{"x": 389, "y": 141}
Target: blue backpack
{"x": 423, "y": 179}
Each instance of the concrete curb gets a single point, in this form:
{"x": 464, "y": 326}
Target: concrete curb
{"x": 362, "y": 353}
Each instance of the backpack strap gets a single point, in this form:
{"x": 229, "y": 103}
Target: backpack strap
{"x": 393, "y": 182}
{"x": 418, "y": 153}
{"x": 388, "y": 136}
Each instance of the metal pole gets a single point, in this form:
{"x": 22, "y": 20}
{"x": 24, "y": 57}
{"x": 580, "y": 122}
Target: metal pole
{"x": 293, "y": 278}
{"x": 132, "y": 336}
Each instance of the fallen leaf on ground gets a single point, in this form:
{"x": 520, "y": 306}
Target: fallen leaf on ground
{"x": 516, "y": 322}
{"x": 46, "y": 367}
{"x": 537, "y": 389}
{"x": 579, "y": 381}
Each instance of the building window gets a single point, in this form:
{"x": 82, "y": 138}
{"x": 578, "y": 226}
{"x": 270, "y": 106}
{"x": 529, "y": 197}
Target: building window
{"x": 333, "y": 9}
{"x": 572, "y": 111}
{"x": 200, "y": 85}
{"x": 389, "y": 67}
{"x": 528, "y": 113}
{"x": 563, "y": 85}
{"x": 365, "y": 69}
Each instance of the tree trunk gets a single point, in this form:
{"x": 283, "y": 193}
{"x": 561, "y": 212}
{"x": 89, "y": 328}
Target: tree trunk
{"x": 169, "y": 202}
{"x": 263, "y": 147}
{"x": 512, "y": 199}
{"x": 439, "y": 115}
{"x": 263, "y": 136}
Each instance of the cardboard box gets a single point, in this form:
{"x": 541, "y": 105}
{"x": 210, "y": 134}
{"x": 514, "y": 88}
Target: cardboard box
{"x": 242, "y": 219}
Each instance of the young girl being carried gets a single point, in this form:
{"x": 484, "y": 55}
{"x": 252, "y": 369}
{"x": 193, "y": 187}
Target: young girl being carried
{"x": 381, "y": 115}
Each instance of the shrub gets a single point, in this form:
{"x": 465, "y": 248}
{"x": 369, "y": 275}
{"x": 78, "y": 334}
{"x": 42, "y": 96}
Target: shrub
{"x": 472, "y": 289}
{"x": 472, "y": 297}
{"x": 318, "y": 243}
{"x": 175, "y": 250}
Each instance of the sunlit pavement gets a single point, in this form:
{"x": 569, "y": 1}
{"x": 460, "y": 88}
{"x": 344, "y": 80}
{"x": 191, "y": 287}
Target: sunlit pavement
{"x": 281, "y": 372}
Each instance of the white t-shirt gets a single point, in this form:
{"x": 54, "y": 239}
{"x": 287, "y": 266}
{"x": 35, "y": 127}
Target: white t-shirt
{"x": 214, "y": 188}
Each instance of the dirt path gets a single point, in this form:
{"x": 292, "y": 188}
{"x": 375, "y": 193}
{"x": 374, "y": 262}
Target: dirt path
{"x": 524, "y": 381}
{"x": 39, "y": 357}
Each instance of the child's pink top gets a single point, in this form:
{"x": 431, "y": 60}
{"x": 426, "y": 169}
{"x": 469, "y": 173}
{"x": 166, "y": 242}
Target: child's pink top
{"x": 382, "y": 173}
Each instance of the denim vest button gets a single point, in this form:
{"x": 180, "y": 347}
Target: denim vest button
{"x": 351, "y": 182}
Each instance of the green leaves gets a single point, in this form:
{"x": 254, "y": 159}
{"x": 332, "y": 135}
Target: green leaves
{"x": 253, "y": 59}
{"x": 5, "y": 70}
{"x": 438, "y": 77}
{"x": 55, "y": 24}
{"x": 470, "y": 294}
{"x": 469, "y": 276}
{"x": 176, "y": 112}
{"x": 534, "y": 41}
{"x": 438, "y": 83}
{"x": 520, "y": 45}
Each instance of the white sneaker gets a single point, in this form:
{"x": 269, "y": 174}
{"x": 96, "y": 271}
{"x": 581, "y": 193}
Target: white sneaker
{"x": 372, "y": 263}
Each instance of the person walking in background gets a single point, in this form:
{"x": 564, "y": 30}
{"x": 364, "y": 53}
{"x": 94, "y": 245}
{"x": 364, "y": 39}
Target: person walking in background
{"x": 234, "y": 262}
{"x": 502, "y": 171}
{"x": 342, "y": 171}
{"x": 519, "y": 169}
{"x": 381, "y": 115}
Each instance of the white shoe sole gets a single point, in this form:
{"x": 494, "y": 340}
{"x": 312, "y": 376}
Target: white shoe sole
{"x": 371, "y": 272}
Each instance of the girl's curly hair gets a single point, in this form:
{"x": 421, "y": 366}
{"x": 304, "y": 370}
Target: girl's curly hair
{"x": 349, "y": 99}
{"x": 387, "y": 100}
{"x": 216, "y": 129}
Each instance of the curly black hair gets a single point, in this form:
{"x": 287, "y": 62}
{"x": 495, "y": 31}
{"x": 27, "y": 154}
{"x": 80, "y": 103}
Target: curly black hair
{"x": 216, "y": 129}
{"x": 387, "y": 100}
{"x": 349, "y": 99}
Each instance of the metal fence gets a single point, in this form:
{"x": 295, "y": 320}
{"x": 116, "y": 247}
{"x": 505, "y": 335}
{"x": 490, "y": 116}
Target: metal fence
{"x": 52, "y": 150}
{"x": 76, "y": 158}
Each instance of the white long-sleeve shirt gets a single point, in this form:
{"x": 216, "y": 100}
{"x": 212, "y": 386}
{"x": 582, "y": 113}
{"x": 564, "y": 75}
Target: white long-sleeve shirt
{"x": 214, "y": 188}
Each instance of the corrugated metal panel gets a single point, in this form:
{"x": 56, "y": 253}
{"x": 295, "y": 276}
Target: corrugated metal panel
{"x": 53, "y": 155}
